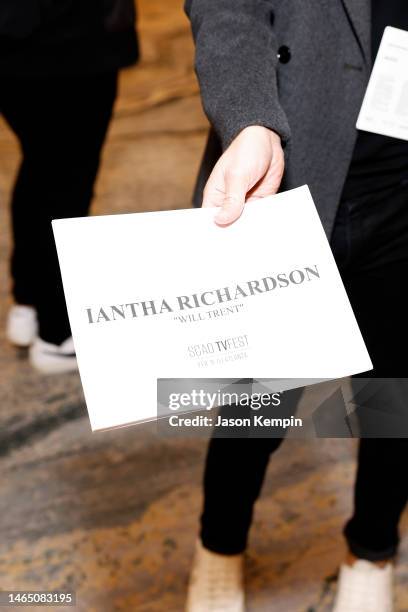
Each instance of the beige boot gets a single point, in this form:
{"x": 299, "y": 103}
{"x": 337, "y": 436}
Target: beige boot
{"x": 365, "y": 587}
{"x": 22, "y": 325}
{"x": 216, "y": 582}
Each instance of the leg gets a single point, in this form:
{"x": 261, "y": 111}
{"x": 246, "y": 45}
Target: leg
{"x": 380, "y": 496}
{"x": 375, "y": 231}
{"x": 61, "y": 133}
{"x": 234, "y": 473}
{"x": 23, "y": 224}
{"x": 233, "y": 477}
{"x": 377, "y": 261}
{"x": 381, "y": 489}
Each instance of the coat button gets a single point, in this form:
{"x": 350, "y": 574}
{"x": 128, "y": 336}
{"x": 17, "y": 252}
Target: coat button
{"x": 284, "y": 54}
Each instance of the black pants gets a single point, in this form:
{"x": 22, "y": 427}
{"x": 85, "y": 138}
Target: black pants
{"x": 370, "y": 244}
{"x": 61, "y": 124}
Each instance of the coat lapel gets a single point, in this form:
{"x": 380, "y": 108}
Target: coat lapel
{"x": 359, "y": 15}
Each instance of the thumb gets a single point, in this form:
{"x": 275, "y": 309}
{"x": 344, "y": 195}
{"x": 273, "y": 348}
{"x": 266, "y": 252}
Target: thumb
{"x": 236, "y": 188}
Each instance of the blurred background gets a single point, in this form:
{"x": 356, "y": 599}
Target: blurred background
{"x": 114, "y": 515}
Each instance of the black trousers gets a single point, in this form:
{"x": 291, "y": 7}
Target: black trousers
{"x": 61, "y": 123}
{"x": 370, "y": 244}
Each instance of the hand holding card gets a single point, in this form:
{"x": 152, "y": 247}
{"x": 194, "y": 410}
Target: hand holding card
{"x": 159, "y": 295}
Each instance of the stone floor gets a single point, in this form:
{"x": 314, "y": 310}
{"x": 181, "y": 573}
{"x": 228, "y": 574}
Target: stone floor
{"x": 114, "y": 515}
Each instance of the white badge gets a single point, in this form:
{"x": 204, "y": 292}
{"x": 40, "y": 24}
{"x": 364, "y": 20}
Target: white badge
{"x": 171, "y": 295}
{"x": 385, "y": 106}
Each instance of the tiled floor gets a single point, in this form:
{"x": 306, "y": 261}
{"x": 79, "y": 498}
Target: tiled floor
{"x": 114, "y": 515}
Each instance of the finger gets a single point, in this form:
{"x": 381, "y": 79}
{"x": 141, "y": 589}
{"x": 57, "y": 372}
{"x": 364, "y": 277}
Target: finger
{"x": 214, "y": 191}
{"x": 236, "y": 187}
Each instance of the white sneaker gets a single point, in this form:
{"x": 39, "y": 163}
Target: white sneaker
{"x": 365, "y": 587}
{"x": 22, "y": 326}
{"x": 216, "y": 582}
{"x": 53, "y": 358}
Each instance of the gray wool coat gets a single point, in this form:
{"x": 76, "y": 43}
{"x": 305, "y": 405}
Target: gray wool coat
{"x": 298, "y": 67}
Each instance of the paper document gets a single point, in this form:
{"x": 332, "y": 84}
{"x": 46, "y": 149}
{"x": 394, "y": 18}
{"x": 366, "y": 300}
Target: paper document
{"x": 172, "y": 295}
{"x": 385, "y": 106}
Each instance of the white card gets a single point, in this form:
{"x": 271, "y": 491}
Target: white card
{"x": 385, "y": 105}
{"x": 171, "y": 295}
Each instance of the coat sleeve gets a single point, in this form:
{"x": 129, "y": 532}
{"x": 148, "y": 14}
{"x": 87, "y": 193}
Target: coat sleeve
{"x": 236, "y": 64}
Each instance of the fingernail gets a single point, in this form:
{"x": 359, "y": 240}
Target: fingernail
{"x": 222, "y": 217}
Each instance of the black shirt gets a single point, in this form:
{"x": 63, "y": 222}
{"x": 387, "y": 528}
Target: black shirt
{"x": 379, "y": 161}
{"x": 66, "y": 37}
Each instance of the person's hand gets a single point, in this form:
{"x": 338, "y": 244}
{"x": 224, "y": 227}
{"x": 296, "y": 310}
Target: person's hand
{"x": 251, "y": 168}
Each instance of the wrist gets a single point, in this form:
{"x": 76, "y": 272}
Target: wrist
{"x": 262, "y": 131}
